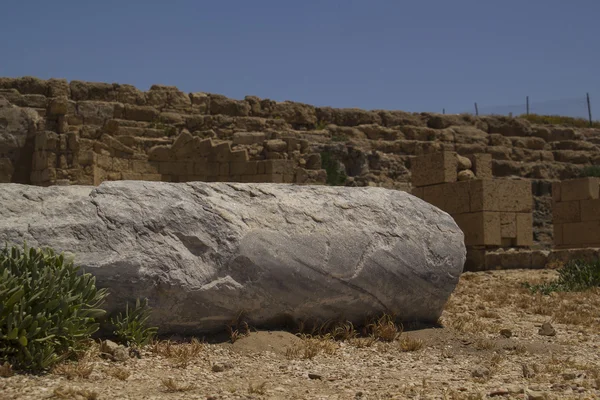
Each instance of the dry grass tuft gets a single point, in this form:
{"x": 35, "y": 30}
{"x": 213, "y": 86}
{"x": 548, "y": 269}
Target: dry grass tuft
{"x": 361, "y": 343}
{"x": 71, "y": 370}
{"x": 72, "y": 393}
{"x": 238, "y": 327}
{"x": 484, "y": 344}
{"x": 259, "y": 388}
{"x": 180, "y": 354}
{"x": 173, "y": 386}
{"x": 311, "y": 346}
{"x": 408, "y": 343}
{"x": 119, "y": 373}
{"x": 385, "y": 328}
{"x": 6, "y": 370}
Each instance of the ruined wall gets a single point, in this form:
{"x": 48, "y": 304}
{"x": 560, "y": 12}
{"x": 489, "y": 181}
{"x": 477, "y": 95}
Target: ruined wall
{"x": 576, "y": 213}
{"x": 83, "y": 133}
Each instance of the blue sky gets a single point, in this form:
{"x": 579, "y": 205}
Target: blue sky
{"x": 413, "y": 55}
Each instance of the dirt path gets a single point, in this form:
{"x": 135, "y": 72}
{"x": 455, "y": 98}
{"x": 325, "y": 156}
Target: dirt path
{"x": 472, "y": 357}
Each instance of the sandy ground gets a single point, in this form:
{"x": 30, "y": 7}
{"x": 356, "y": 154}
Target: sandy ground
{"x": 489, "y": 345}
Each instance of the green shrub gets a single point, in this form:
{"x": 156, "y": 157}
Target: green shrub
{"x": 47, "y": 307}
{"x": 592, "y": 170}
{"x": 573, "y": 277}
{"x": 131, "y": 329}
{"x": 336, "y": 176}
{"x": 559, "y": 120}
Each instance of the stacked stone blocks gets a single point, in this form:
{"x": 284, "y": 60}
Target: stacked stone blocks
{"x": 492, "y": 213}
{"x": 576, "y": 213}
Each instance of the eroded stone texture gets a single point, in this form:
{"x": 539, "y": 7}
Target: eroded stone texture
{"x": 204, "y": 252}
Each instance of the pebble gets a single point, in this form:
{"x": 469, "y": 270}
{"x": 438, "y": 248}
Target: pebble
{"x": 547, "y": 330}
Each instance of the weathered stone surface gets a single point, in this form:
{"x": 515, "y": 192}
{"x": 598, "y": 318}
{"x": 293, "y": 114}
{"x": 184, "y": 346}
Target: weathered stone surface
{"x": 202, "y": 252}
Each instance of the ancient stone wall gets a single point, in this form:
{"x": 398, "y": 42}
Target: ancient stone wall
{"x": 59, "y": 132}
{"x": 492, "y": 213}
{"x": 576, "y": 213}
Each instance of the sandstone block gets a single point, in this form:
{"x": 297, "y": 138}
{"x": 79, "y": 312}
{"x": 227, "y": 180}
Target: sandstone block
{"x": 566, "y": 211}
{"x": 581, "y": 233}
{"x": 482, "y": 165}
{"x": 279, "y": 167}
{"x": 590, "y": 210}
{"x": 434, "y": 168}
{"x": 524, "y": 230}
{"x": 558, "y": 234}
{"x": 501, "y": 195}
{"x": 480, "y": 228}
{"x": 508, "y": 225}
{"x": 580, "y": 189}
{"x": 140, "y": 113}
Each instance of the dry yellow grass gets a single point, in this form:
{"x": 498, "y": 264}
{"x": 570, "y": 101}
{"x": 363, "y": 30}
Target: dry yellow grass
{"x": 119, "y": 373}
{"x": 258, "y": 388}
{"x": 385, "y": 328}
{"x": 171, "y": 385}
{"x": 71, "y": 370}
{"x": 63, "y": 392}
{"x": 180, "y": 354}
{"x": 311, "y": 346}
{"x": 6, "y": 370}
{"x": 408, "y": 343}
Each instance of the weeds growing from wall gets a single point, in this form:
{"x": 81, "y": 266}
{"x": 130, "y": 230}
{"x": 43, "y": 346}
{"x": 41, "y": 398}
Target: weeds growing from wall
{"x": 336, "y": 174}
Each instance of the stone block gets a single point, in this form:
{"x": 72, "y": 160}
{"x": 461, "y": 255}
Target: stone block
{"x": 144, "y": 167}
{"x": 501, "y": 195}
{"x": 121, "y": 165}
{"x": 104, "y": 161}
{"x": 418, "y": 192}
{"x": 476, "y": 260}
{"x": 556, "y": 192}
{"x": 450, "y": 197}
{"x": 580, "y": 189}
{"x": 581, "y": 233}
{"x": 244, "y": 168}
{"x": 434, "y": 168}
{"x": 213, "y": 169}
{"x": 225, "y": 169}
{"x": 176, "y": 168}
{"x": 558, "y": 234}
{"x": 220, "y": 153}
{"x": 239, "y": 155}
{"x": 566, "y": 211}
{"x": 508, "y": 225}
{"x": 590, "y": 210}
{"x": 482, "y": 165}
{"x": 278, "y": 167}
{"x": 248, "y": 138}
{"x": 132, "y": 176}
{"x": 524, "y": 230}
{"x": 480, "y": 228}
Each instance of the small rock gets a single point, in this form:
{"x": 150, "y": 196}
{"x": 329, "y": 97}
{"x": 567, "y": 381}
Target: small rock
{"x": 480, "y": 372}
{"x": 121, "y": 354}
{"x": 499, "y": 392}
{"x": 108, "y": 347}
{"x": 463, "y": 163}
{"x": 465, "y": 175}
{"x": 220, "y": 367}
{"x": 359, "y": 394}
{"x": 315, "y": 376}
{"x": 536, "y": 395}
{"x": 547, "y": 330}
{"x": 506, "y": 333}
{"x": 569, "y": 376}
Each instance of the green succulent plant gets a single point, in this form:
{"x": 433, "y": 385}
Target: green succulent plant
{"x": 47, "y": 307}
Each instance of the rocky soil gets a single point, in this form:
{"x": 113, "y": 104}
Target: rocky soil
{"x": 495, "y": 339}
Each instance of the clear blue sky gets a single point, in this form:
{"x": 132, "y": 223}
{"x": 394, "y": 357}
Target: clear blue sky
{"x": 417, "y": 55}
